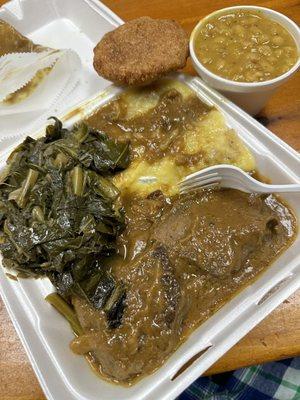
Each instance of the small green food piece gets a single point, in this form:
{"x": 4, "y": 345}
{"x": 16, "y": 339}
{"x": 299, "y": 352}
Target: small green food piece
{"x": 27, "y": 185}
{"x": 60, "y": 213}
{"x": 114, "y": 307}
{"x": 66, "y": 310}
{"x": 78, "y": 180}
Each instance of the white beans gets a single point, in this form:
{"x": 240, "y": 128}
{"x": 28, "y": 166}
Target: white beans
{"x": 278, "y": 40}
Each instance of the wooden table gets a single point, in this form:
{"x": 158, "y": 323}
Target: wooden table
{"x": 278, "y": 336}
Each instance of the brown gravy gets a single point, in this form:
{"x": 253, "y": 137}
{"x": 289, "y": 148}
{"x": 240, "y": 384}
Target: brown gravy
{"x": 172, "y": 134}
{"x": 181, "y": 259}
{"x": 154, "y": 134}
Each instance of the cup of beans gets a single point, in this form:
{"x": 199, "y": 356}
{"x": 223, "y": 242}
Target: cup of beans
{"x": 246, "y": 52}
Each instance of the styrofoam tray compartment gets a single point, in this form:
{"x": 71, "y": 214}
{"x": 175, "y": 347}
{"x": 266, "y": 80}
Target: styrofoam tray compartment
{"x": 46, "y": 335}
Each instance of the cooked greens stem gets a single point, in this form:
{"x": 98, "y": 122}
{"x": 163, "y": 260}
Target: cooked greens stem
{"x": 60, "y": 160}
{"x": 4, "y": 173}
{"x": 37, "y": 214}
{"x": 67, "y": 150}
{"x": 78, "y": 180}
{"x": 27, "y": 185}
{"x": 88, "y": 221}
{"x": 122, "y": 153}
{"x": 81, "y": 134}
{"x": 15, "y": 194}
{"x": 107, "y": 187}
{"x": 63, "y": 308}
{"x": 14, "y": 154}
{"x": 36, "y": 167}
{"x": 114, "y": 297}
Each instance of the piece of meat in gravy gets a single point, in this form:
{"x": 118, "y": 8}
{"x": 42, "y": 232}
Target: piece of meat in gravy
{"x": 210, "y": 232}
{"x": 185, "y": 257}
{"x": 151, "y": 323}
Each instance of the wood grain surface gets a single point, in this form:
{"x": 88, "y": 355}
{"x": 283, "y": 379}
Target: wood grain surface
{"x": 278, "y": 336}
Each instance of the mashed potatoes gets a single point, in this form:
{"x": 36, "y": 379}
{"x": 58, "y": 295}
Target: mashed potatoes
{"x": 172, "y": 134}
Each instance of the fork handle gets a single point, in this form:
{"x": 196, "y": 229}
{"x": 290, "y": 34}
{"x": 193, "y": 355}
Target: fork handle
{"x": 293, "y": 188}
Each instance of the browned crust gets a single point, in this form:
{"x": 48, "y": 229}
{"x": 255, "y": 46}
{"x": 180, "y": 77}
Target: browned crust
{"x": 141, "y": 51}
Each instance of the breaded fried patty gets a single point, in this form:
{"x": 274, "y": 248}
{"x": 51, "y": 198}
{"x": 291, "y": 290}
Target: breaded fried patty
{"x": 141, "y": 51}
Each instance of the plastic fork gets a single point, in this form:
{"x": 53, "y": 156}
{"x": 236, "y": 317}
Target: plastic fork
{"x": 228, "y": 176}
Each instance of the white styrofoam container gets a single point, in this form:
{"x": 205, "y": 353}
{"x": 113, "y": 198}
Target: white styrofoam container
{"x": 46, "y": 335}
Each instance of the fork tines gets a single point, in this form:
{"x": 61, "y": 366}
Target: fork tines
{"x": 199, "y": 180}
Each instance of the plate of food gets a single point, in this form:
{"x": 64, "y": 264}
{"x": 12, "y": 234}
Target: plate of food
{"x": 145, "y": 287}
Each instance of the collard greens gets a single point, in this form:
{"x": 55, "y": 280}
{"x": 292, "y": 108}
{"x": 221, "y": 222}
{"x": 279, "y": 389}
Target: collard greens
{"x": 60, "y": 214}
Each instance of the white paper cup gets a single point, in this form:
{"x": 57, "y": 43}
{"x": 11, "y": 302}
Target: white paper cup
{"x": 250, "y": 96}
